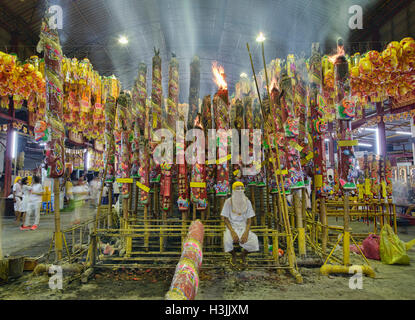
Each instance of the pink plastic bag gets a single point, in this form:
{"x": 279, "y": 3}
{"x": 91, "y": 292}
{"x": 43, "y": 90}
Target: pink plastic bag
{"x": 354, "y": 249}
{"x": 371, "y": 247}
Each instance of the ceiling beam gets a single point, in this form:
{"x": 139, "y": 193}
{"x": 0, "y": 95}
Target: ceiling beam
{"x": 19, "y": 24}
{"x": 382, "y": 13}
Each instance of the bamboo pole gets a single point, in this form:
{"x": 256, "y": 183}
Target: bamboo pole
{"x": 290, "y": 246}
{"x": 388, "y": 212}
{"x": 281, "y": 192}
{"x": 300, "y": 226}
{"x": 208, "y": 208}
{"x": 395, "y": 227}
{"x": 261, "y": 206}
{"x": 58, "y": 233}
{"x": 276, "y": 213}
{"x": 162, "y": 234}
{"x": 125, "y": 209}
{"x": 215, "y": 205}
{"x": 324, "y": 222}
{"x": 346, "y": 237}
{"x": 184, "y": 224}
{"x": 100, "y": 197}
{"x": 313, "y": 214}
{"x": 304, "y": 206}
{"x": 109, "y": 204}
{"x": 136, "y": 198}
{"x": 146, "y": 237}
{"x": 2, "y": 212}
{"x": 253, "y": 203}
{"x": 267, "y": 190}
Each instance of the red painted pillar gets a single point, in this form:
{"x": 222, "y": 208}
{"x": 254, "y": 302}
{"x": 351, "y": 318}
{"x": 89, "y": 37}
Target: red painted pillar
{"x": 413, "y": 136}
{"x": 8, "y": 153}
{"x": 8, "y": 161}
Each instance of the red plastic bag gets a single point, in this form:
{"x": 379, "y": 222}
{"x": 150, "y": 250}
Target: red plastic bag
{"x": 355, "y": 249}
{"x": 371, "y": 247}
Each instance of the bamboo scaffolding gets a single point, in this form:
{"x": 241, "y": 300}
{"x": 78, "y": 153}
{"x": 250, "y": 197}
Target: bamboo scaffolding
{"x": 281, "y": 192}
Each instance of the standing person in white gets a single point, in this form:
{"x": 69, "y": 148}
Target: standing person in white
{"x": 26, "y": 188}
{"x": 18, "y": 197}
{"x": 95, "y": 190}
{"x": 80, "y": 193}
{"x": 34, "y": 205}
{"x": 238, "y": 212}
{"x": 116, "y": 192}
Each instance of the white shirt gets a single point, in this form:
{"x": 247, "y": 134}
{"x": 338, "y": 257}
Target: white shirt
{"x": 17, "y": 189}
{"x": 78, "y": 190}
{"x": 37, "y": 187}
{"x": 26, "y": 190}
{"x": 105, "y": 191}
{"x": 95, "y": 185}
{"x": 236, "y": 220}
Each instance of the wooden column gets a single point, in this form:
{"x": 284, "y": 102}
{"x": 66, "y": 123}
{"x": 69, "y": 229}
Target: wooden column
{"x": 413, "y": 136}
{"x": 9, "y": 153}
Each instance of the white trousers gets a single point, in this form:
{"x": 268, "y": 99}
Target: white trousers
{"x": 33, "y": 208}
{"x": 250, "y": 245}
{"x": 18, "y": 205}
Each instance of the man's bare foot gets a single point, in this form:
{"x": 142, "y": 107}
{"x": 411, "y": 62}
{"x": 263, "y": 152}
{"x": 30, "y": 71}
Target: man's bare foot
{"x": 243, "y": 257}
{"x": 233, "y": 259}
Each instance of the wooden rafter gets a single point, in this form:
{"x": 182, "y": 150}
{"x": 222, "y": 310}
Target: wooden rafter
{"x": 17, "y": 24}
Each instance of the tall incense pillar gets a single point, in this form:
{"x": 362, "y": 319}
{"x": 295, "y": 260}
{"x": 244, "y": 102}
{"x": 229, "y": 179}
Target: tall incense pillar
{"x": 222, "y": 125}
{"x": 345, "y": 112}
{"x": 55, "y": 151}
{"x": 318, "y": 131}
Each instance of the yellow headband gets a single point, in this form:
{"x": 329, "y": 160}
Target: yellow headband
{"x": 237, "y": 184}
{"x": 29, "y": 180}
{"x": 17, "y": 179}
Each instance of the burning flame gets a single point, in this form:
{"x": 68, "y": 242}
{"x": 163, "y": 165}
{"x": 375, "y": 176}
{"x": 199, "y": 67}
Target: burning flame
{"x": 340, "y": 52}
{"x": 274, "y": 84}
{"x": 219, "y": 76}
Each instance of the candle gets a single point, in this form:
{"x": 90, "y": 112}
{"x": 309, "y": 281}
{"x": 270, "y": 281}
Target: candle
{"x": 221, "y": 109}
{"x": 156, "y": 110}
{"x": 194, "y": 92}
{"x": 172, "y": 103}
{"x": 345, "y": 113}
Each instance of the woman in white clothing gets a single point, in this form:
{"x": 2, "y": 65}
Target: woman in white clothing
{"x": 26, "y": 188}
{"x": 80, "y": 193}
{"x": 34, "y": 205}
{"x": 95, "y": 187}
{"x": 18, "y": 197}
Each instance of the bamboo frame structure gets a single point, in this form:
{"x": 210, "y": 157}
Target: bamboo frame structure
{"x": 282, "y": 200}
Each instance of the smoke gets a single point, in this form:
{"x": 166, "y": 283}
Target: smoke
{"x": 215, "y": 30}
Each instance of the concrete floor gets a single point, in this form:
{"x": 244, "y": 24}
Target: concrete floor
{"x": 391, "y": 282}
{"x": 35, "y": 243}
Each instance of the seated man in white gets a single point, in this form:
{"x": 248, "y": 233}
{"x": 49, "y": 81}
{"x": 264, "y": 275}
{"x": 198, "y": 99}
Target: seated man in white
{"x": 237, "y": 212}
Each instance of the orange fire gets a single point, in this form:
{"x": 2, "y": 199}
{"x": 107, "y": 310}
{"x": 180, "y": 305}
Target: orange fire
{"x": 219, "y": 76}
{"x": 340, "y": 52}
{"x": 274, "y": 84}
